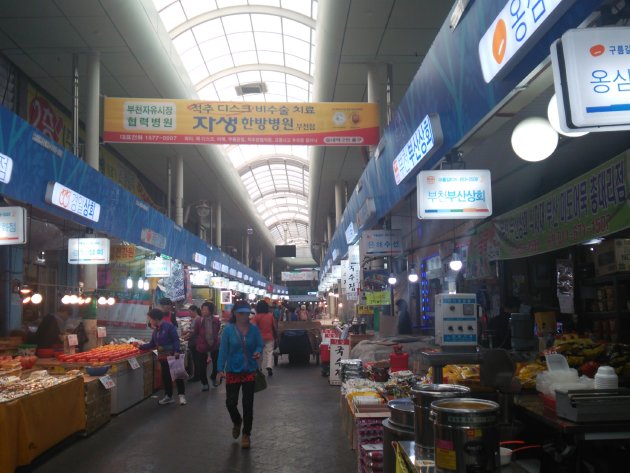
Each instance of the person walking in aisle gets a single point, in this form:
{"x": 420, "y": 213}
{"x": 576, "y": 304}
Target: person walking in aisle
{"x": 267, "y": 325}
{"x": 166, "y": 340}
{"x": 241, "y": 347}
{"x": 206, "y": 334}
{"x": 191, "y": 338}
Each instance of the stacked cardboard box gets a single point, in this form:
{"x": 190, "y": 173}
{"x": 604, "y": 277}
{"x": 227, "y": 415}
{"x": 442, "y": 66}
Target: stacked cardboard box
{"x": 612, "y": 256}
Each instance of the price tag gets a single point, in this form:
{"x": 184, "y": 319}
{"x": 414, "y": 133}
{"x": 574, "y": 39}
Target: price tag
{"x": 107, "y": 381}
{"x": 73, "y": 340}
{"x": 101, "y": 332}
{"x": 133, "y": 362}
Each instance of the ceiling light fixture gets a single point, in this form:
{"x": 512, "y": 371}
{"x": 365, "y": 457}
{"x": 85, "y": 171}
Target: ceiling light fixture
{"x": 554, "y": 119}
{"x": 392, "y": 280}
{"x": 413, "y": 274}
{"x": 534, "y": 139}
{"x": 456, "y": 263}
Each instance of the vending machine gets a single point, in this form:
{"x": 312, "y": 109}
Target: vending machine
{"x": 456, "y": 320}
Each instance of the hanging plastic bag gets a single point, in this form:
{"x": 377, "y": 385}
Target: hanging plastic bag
{"x": 176, "y": 367}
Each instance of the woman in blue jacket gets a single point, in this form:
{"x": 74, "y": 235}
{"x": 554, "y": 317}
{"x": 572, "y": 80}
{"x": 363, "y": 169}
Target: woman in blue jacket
{"x": 241, "y": 347}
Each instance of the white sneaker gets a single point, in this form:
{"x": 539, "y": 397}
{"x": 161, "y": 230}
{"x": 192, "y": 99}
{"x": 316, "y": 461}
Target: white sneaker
{"x": 182, "y": 400}
{"x": 166, "y": 400}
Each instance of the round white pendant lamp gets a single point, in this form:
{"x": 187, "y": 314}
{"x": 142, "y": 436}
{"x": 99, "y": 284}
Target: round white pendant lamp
{"x": 534, "y": 139}
{"x": 554, "y": 119}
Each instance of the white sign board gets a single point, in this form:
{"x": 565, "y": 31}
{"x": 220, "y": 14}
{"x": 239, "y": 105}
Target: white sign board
{"x": 519, "y": 22}
{"x": 298, "y": 276}
{"x": 339, "y": 350}
{"x": 454, "y": 194}
{"x": 6, "y": 168}
{"x": 200, "y": 259}
{"x": 157, "y": 268}
{"x": 381, "y": 243}
{"x": 353, "y": 275}
{"x": 67, "y": 199}
{"x": 351, "y": 234}
{"x": 88, "y": 250}
{"x": 427, "y": 138}
{"x": 200, "y": 278}
{"x": 12, "y": 225}
{"x": 101, "y": 332}
{"x": 591, "y": 72}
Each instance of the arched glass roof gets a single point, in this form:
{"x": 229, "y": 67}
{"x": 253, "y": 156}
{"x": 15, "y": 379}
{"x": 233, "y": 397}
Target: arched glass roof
{"x": 254, "y": 51}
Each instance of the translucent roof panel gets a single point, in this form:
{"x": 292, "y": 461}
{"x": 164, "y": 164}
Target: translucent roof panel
{"x": 225, "y": 44}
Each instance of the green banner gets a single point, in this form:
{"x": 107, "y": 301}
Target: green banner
{"x": 377, "y": 298}
{"x": 592, "y": 205}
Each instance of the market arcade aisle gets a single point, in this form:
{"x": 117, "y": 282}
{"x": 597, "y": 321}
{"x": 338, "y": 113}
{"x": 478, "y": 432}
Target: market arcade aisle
{"x": 296, "y": 429}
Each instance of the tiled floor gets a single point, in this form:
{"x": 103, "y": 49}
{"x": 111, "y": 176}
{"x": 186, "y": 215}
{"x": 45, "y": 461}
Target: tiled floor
{"x": 296, "y": 429}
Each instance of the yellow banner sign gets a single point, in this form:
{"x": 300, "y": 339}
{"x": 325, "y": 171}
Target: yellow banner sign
{"x": 377, "y": 298}
{"x": 197, "y": 122}
{"x": 365, "y": 310}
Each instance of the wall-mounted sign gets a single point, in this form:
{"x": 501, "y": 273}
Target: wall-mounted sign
{"x": 88, "y": 250}
{"x": 351, "y": 234}
{"x": 381, "y": 243}
{"x": 377, "y": 298}
{"x": 200, "y": 259}
{"x": 12, "y": 225}
{"x": 216, "y": 265}
{"x": 225, "y": 268}
{"x": 239, "y": 274}
{"x": 218, "y": 282}
{"x": 200, "y": 278}
{"x": 454, "y": 194}
{"x": 153, "y": 238}
{"x": 518, "y": 24}
{"x": 591, "y": 73}
{"x": 67, "y": 199}
{"x": 226, "y": 297}
{"x": 298, "y": 276}
{"x": 136, "y": 120}
{"x": 6, "y": 168}
{"x": 157, "y": 268}
{"x": 424, "y": 141}
{"x": 232, "y": 272}
{"x": 122, "y": 252}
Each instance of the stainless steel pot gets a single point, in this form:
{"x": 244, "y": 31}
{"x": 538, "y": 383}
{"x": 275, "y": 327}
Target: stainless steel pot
{"x": 466, "y": 435}
{"x": 424, "y": 395}
{"x": 401, "y": 412}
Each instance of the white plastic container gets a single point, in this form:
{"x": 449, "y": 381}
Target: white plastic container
{"x": 606, "y": 378}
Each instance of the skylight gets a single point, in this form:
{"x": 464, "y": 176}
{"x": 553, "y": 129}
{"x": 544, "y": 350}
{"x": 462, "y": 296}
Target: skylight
{"x": 227, "y": 44}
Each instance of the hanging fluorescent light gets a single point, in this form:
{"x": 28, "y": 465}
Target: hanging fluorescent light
{"x": 26, "y": 300}
{"x": 413, "y": 275}
{"x": 392, "y": 280}
{"x": 455, "y": 263}
{"x": 25, "y": 289}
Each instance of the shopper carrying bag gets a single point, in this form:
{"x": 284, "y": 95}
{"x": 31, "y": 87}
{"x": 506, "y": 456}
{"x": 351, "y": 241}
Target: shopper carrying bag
{"x": 239, "y": 351}
{"x": 166, "y": 340}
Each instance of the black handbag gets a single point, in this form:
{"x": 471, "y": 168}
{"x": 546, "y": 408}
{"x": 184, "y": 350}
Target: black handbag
{"x": 260, "y": 383}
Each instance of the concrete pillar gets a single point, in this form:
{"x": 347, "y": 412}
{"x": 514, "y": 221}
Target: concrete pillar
{"x": 92, "y": 112}
{"x": 246, "y": 250}
{"x": 179, "y": 190}
{"x": 92, "y": 142}
{"x": 339, "y": 197}
{"x": 330, "y": 230}
{"x": 217, "y": 218}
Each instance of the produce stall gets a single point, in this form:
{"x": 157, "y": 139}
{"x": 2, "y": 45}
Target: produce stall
{"x": 36, "y": 414}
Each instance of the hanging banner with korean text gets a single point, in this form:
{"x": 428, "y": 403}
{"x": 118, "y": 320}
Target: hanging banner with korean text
{"x": 592, "y": 205}
{"x": 134, "y": 120}
{"x": 339, "y": 350}
{"x": 381, "y": 243}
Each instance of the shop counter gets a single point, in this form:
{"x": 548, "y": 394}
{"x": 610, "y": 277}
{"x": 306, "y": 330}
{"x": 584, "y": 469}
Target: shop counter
{"x": 32, "y": 424}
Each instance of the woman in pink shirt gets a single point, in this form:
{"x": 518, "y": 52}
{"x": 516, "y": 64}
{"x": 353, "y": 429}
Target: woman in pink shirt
{"x": 266, "y": 323}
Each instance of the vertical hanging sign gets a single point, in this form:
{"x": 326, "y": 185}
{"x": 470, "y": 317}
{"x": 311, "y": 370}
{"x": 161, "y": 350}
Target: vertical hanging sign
{"x": 339, "y": 350}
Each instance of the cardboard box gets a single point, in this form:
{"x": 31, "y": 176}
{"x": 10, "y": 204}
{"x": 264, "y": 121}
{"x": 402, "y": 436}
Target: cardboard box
{"x": 612, "y": 256}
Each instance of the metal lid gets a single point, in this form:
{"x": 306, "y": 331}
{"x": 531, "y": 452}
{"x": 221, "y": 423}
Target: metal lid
{"x": 404, "y": 404}
{"x": 439, "y": 390}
